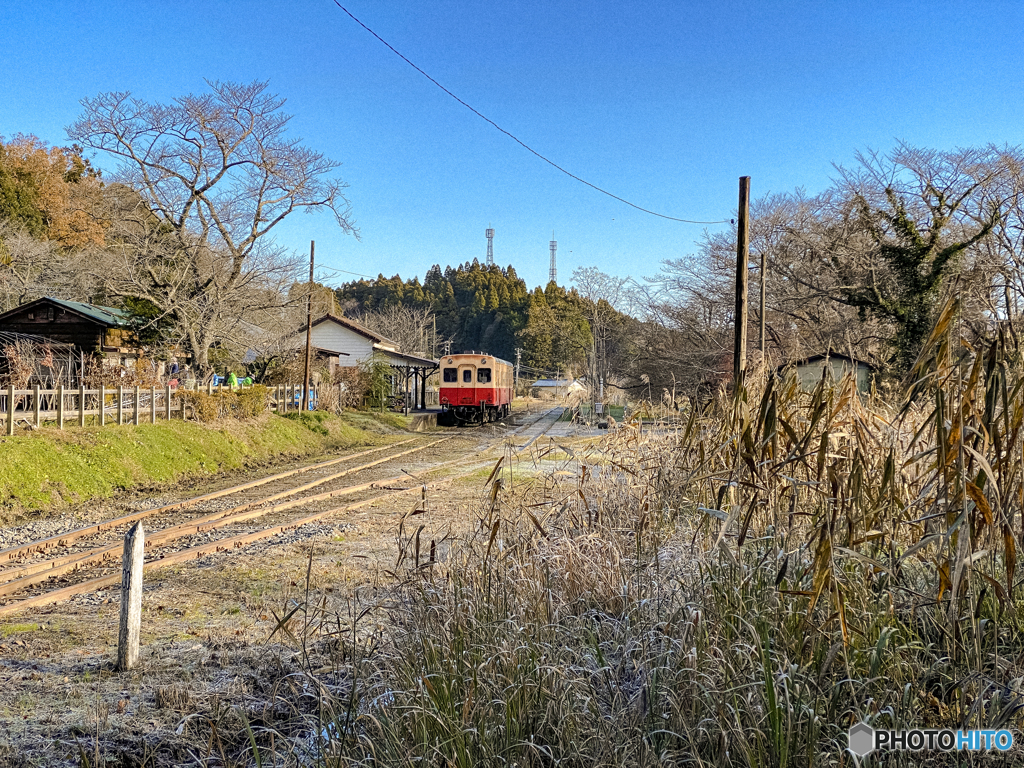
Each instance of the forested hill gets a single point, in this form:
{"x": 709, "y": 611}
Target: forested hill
{"x": 485, "y": 308}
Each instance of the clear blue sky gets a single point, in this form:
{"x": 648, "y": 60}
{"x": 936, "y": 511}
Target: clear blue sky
{"x": 663, "y": 103}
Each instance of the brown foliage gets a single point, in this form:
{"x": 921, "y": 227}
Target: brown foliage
{"x": 356, "y": 386}
{"x": 245, "y": 404}
{"x": 17, "y": 368}
{"x": 61, "y": 185}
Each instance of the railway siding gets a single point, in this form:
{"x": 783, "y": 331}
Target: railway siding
{"x": 97, "y": 547}
{"x": 64, "y": 539}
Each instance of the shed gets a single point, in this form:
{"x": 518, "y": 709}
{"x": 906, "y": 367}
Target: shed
{"x": 809, "y": 370}
{"x": 87, "y": 327}
{"x": 555, "y": 388}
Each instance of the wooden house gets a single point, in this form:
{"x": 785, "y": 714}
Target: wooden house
{"x": 89, "y": 328}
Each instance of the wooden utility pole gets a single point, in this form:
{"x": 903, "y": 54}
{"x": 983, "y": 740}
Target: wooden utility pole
{"x": 309, "y": 331}
{"x": 739, "y": 360}
{"x": 764, "y": 277}
{"x": 131, "y": 599}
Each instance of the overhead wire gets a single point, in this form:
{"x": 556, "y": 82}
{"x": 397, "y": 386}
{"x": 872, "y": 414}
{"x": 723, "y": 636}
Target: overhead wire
{"x": 347, "y": 272}
{"x": 521, "y": 143}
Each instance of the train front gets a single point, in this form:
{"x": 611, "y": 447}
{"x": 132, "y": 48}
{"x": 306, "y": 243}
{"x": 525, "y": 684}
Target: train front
{"x": 473, "y": 387}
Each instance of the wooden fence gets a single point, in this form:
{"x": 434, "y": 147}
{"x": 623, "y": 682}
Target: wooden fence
{"x": 114, "y": 405}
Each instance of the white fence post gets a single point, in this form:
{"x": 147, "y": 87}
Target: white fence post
{"x": 10, "y": 409}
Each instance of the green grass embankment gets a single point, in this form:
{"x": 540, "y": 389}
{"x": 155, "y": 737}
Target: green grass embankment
{"x": 51, "y": 466}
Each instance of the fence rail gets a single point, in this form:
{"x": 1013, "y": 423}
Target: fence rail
{"x": 127, "y": 405}
{"x": 114, "y": 405}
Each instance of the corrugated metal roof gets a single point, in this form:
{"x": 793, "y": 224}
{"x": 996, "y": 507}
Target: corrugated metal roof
{"x": 105, "y": 315}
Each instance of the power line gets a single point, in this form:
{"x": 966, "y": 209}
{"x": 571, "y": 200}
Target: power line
{"x": 347, "y": 272}
{"x": 514, "y": 138}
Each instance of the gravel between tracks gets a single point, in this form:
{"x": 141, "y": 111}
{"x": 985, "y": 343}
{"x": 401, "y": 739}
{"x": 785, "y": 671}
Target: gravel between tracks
{"x": 207, "y": 624}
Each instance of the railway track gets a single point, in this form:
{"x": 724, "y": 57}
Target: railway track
{"x": 242, "y": 514}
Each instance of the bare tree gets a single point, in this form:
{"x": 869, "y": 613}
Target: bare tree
{"x": 215, "y": 174}
{"x": 30, "y": 268}
{"x": 861, "y": 266}
{"x": 1000, "y": 258}
{"x": 410, "y": 328}
{"x": 606, "y": 299}
{"x": 923, "y": 216}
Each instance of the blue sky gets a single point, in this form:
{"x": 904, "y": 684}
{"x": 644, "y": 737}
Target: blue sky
{"x": 665, "y": 104}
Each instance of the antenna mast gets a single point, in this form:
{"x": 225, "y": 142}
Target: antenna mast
{"x": 490, "y": 246}
{"x": 553, "y": 272}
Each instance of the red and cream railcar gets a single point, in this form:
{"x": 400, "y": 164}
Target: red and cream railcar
{"x": 475, "y": 387}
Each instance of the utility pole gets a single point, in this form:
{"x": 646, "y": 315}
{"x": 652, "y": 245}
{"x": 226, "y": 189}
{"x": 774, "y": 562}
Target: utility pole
{"x": 739, "y": 359}
{"x": 764, "y": 277}
{"x": 309, "y": 331}
{"x": 515, "y": 385}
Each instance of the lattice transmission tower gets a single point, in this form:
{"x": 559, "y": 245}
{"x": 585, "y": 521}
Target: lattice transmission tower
{"x": 490, "y": 246}
{"x": 553, "y": 271}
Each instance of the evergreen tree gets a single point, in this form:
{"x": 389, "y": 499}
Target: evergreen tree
{"x": 489, "y": 309}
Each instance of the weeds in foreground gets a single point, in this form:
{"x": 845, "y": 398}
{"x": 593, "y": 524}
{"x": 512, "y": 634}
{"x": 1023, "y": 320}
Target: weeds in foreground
{"x": 737, "y": 590}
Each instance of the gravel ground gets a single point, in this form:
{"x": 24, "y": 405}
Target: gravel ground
{"x": 209, "y": 636}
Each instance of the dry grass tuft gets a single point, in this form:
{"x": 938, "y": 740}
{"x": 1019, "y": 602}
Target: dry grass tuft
{"x": 177, "y": 697}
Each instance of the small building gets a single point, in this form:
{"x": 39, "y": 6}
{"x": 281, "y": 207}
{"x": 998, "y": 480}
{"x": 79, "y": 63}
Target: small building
{"x": 555, "y": 389}
{"x": 87, "y": 327}
{"x": 810, "y": 369}
{"x": 346, "y": 343}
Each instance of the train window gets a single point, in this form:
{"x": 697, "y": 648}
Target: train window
{"x": 467, "y": 376}
{"x": 483, "y": 375}
{"x": 451, "y": 374}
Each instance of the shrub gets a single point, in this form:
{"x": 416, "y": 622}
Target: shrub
{"x": 253, "y": 401}
{"x": 202, "y": 405}
{"x": 356, "y": 383}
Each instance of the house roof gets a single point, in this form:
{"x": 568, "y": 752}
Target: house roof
{"x": 106, "y": 316}
{"x": 829, "y": 356}
{"x": 402, "y": 360}
{"x": 362, "y": 330}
